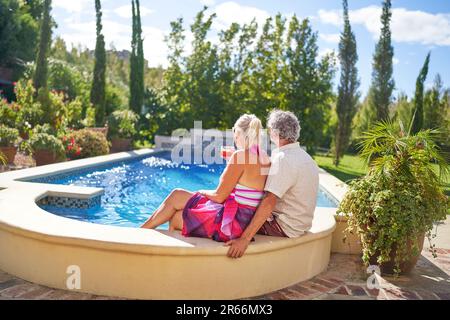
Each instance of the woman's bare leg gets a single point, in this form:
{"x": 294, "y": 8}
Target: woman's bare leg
{"x": 176, "y": 224}
{"x": 175, "y": 202}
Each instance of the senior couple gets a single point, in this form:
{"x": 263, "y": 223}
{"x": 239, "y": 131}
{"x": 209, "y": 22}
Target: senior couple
{"x": 256, "y": 194}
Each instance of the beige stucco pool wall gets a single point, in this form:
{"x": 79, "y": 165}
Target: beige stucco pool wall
{"x": 144, "y": 264}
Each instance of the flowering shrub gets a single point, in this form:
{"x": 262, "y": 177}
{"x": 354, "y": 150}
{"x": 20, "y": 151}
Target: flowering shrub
{"x": 73, "y": 150}
{"x": 8, "y": 136}
{"x": 85, "y": 144}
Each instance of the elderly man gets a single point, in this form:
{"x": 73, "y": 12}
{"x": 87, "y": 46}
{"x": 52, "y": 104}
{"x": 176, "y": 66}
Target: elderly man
{"x": 291, "y": 190}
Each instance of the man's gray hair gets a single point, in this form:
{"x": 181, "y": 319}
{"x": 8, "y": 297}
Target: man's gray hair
{"x": 285, "y": 124}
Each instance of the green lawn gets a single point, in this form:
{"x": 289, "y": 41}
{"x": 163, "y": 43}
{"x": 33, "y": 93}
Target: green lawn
{"x": 352, "y": 167}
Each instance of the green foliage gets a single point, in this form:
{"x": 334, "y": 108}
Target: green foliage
{"x": 8, "y": 136}
{"x": 137, "y": 65}
{"x": 99, "y": 78}
{"x": 418, "y": 121}
{"x": 383, "y": 83}
{"x": 8, "y": 115}
{"x": 19, "y": 28}
{"x": 216, "y": 84}
{"x": 45, "y": 39}
{"x": 45, "y": 141}
{"x": 30, "y": 112}
{"x": 89, "y": 120}
{"x": 122, "y": 124}
{"x": 90, "y": 143}
{"x": 347, "y": 101}
{"x": 400, "y": 198}
{"x": 3, "y": 159}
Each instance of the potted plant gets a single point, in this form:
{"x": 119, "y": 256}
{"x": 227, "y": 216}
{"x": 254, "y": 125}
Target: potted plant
{"x": 47, "y": 149}
{"x": 122, "y": 128}
{"x": 394, "y": 207}
{"x": 8, "y": 140}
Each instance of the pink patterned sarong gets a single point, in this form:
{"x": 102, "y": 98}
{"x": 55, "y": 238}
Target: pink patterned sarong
{"x": 204, "y": 218}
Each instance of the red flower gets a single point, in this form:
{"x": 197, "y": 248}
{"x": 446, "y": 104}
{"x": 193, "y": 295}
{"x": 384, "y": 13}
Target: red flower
{"x": 70, "y": 147}
{"x": 14, "y": 84}
{"x": 78, "y": 152}
{"x": 72, "y": 140}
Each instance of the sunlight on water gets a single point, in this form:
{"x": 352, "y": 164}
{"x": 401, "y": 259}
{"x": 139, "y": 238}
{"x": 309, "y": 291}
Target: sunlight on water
{"x": 135, "y": 189}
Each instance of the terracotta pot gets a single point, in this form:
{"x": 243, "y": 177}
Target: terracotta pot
{"x": 405, "y": 267}
{"x": 44, "y": 157}
{"x": 10, "y": 153}
{"x": 120, "y": 145}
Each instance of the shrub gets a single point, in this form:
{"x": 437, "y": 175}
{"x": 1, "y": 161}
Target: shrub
{"x": 122, "y": 124}
{"x": 8, "y": 136}
{"x": 44, "y": 128}
{"x": 44, "y": 141}
{"x": 30, "y": 112}
{"x": 86, "y": 144}
{"x": 8, "y": 114}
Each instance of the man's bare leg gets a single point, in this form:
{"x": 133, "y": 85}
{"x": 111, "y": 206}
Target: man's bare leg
{"x": 175, "y": 202}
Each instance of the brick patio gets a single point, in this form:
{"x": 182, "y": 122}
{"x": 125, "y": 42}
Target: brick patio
{"x": 345, "y": 279}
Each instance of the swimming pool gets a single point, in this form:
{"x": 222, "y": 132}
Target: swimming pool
{"x": 135, "y": 188}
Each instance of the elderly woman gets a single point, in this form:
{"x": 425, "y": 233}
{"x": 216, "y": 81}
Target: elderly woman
{"x": 288, "y": 207}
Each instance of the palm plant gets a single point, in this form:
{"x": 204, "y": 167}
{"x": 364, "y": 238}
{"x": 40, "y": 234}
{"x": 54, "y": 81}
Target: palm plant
{"x": 401, "y": 197}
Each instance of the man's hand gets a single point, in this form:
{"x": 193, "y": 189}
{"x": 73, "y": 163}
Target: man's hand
{"x": 237, "y": 248}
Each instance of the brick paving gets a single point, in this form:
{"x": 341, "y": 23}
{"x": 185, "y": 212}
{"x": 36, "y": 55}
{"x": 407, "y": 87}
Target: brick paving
{"x": 345, "y": 279}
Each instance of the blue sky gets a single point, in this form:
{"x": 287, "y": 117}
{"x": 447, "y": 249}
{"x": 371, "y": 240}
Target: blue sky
{"x": 418, "y": 27}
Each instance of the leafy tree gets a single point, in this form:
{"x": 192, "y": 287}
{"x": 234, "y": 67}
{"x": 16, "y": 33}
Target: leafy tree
{"x": 417, "y": 123}
{"x": 434, "y": 111}
{"x": 348, "y": 89}
{"x": 99, "y": 77}
{"x": 41, "y": 72}
{"x": 382, "y": 76}
{"x": 19, "y": 32}
{"x": 308, "y": 82}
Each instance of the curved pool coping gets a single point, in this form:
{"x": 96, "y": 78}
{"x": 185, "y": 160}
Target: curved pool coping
{"x": 38, "y": 246}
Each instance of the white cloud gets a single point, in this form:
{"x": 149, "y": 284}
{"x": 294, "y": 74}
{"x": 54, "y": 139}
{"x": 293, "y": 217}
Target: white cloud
{"x": 73, "y": 6}
{"x": 395, "y": 61}
{"x": 330, "y": 37}
{"x": 407, "y": 26}
{"x": 230, "y": 12}
{"x": 208, "y": 3}
{"x": 126, "y": 11}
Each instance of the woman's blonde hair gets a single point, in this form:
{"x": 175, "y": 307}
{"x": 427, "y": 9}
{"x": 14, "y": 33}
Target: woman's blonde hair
{"x": 251, "y": 127}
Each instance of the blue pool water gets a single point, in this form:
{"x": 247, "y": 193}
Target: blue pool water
{"x": 135, "y": 189}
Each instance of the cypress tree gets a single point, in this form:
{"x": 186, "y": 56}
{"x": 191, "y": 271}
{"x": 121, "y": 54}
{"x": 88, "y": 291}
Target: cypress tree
{"x": 382, "y": 80}
{"x": 99, "y": 78}
{"x": 417, "y": 122}
{"x": 45, "y": 39}
{"x": 137, "y": 62}
{"x": 348, "y": 89}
